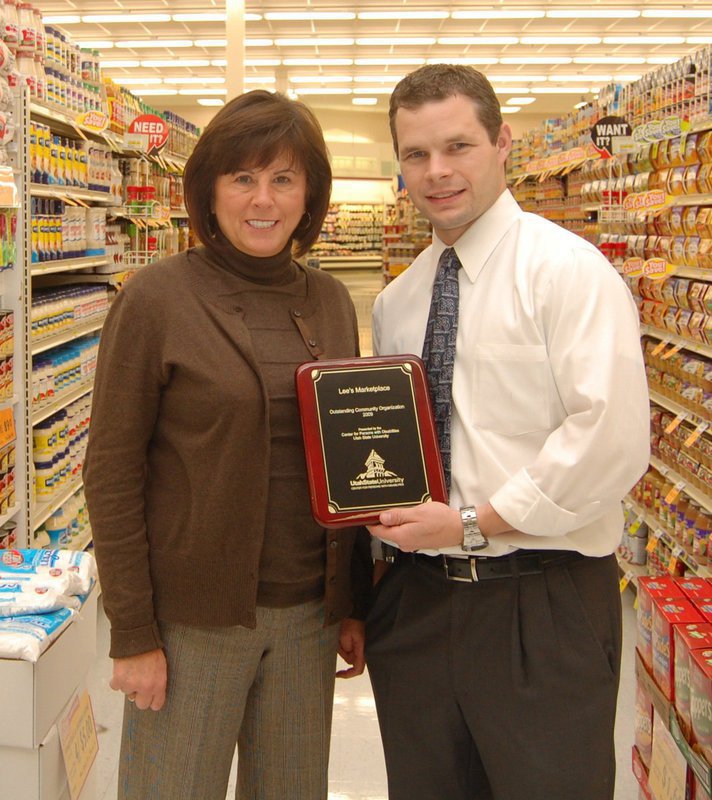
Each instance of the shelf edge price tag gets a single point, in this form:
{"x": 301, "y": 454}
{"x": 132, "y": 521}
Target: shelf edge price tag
{"x": 675, "y": 491}
{"x": 77, "y": 736}
{"x": 653, "y": 540}
{"x": 677, "y": 553}
{"x": 625, "y": 580}
{"x": 671, "y": 352}
{"x": 635, "y": 526}
{"x": 695, "y": 435}
{"x": 678, "y": 419}
{"x": 659, "y": 347}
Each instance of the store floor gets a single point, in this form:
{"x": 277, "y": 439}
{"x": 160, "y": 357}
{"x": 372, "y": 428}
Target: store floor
{"x": 357, "y": 769}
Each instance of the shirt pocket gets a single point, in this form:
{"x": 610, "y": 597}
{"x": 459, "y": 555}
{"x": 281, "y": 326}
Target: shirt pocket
{"x": 511, "y": 388}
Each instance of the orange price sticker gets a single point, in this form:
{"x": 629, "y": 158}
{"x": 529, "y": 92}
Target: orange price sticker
{"x": 695, "y": 435}
{"x": 660, "y": 347}
{"x": 653, "y": 540}
{"x": 678, "y": 419}
{"x": 674, "y": 492}
{"x": 674, "y": 559}
{"x": 671, "y": 352}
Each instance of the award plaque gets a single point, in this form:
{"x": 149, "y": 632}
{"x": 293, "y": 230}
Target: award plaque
{"x": 369, "y": 437}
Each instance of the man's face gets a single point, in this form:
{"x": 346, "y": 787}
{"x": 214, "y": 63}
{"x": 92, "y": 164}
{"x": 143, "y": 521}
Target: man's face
{"x": 452, "y": 171}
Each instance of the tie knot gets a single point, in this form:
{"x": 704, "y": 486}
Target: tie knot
{"x": 449, "y": 262}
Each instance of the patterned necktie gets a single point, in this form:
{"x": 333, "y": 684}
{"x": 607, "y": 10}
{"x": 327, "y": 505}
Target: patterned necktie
{"x": 439, "y": 348}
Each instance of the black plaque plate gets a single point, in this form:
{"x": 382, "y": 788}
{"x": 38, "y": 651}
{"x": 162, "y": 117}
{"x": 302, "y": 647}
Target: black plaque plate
{"x": 369, "y": 437}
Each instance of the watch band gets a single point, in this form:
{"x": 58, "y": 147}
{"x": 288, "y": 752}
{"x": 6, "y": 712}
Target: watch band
{"x": 473, "y": 538}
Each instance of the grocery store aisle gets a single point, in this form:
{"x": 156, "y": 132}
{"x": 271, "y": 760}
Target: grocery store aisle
{"x": 357, "y": 768}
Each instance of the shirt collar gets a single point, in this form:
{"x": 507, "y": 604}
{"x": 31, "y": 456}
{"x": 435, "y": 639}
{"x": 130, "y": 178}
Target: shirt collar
{"x": 478, "y": 242}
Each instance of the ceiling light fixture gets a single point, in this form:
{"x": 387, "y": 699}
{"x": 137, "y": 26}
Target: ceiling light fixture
{"x": 88, "y": 44}
{"x": 536, "y": 60}
{"x": 249, "y": 62}
{"x": 699, "y": 40}
{"x": 521, "y": 101}
{"x": 313, "y": 42}
{"x": 378, "y": 78}
{"x": 61, "y": 19}
{"x": 478, "y": 40}
{"x": 210, "y": 101}
{"x": 403, "y": 14}
{"x": 598, "y": 13}
{"x": 560, "y": 40}
{"x": 523, "y": 78}
{"x": 642, "y": 40}
{"x": 125, "y": 18}
{"x": 364, "y": 101}
{"x": 317, "y": 62}
{"x": 196, "y": 79}
{"x": 212, "y": 43}
{"x": 662, "y": 60}
{"x": 316, "y": 90}
{"x": 610, "y": 60}
{"x": 579, "y": 78}
{"x": 320, "y": 79}
{"x": 513, "y": 14}
{"x": 424, "y": 41}
{"x": 372, "y": 90}
{"x": 671, "y": 13}
{"x": 463, "y": 61}
{"x": 126, "y": 80}
{"x": 511, "y": 90}
{"x": 385, "y": 62}
{"x": 136, "y": 44}
{"x": 306, "y": 16}
{"x": 562, "y": 89}
{"x": 176, "y": 62}
{"x": 510, "y": 109}
{"x": 196, "y": 92}
{"x": 157, "y": 92}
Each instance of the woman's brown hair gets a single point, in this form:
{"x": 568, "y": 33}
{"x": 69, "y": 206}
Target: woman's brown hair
{"x": 251, "y": 131}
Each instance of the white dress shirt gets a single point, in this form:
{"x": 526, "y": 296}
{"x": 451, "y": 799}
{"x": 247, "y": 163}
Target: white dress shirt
{"x": 550, "y": 415}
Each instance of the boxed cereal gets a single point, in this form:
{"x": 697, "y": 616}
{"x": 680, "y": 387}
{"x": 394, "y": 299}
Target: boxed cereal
{"x": 695, "y": 636}
{"x": 701, "y": 701}
{"x": 651, "y": 586}
{"x": 643, "y": 724}
{"x": 668, "y": 612}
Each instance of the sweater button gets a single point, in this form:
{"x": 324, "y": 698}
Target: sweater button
{"x": 312, "y": 343}
{"x": 333, "y": 543}
{"x": 297, "y": 312}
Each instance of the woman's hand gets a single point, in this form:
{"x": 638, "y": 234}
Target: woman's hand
{"x": 142, "y": 678}
{"x": 352, "y": 640}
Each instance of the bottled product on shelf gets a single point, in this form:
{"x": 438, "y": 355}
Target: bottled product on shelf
{"x": 351, "y": 230}
{"x": 406, "y": 233}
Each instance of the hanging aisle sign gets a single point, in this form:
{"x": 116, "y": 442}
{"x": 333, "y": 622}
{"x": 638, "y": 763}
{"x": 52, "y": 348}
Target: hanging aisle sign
{"x": 154, "y": 128}
{"x": 608, "y": 133}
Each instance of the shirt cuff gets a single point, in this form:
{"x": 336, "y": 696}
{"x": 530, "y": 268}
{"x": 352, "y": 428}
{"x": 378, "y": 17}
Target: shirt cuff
{"x": 522, "y": 504}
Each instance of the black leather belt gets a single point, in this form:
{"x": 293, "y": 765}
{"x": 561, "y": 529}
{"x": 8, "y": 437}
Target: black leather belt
{"x": 483, "y": 568}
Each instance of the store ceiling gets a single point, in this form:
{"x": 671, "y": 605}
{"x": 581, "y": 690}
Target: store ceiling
{"x": 549, "y": 54}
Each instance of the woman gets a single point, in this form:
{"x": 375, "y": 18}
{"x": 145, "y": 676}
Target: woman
{"x": 222, "y": 592}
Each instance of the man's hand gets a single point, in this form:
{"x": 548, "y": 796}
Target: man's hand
{"x": 352, "y": 639}
{"x": 428, "y": 526}
{"x": 142, "y": 678}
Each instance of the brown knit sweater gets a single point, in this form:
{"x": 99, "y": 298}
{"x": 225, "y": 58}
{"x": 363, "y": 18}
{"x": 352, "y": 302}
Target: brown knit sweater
{"x": 177, "y": 472}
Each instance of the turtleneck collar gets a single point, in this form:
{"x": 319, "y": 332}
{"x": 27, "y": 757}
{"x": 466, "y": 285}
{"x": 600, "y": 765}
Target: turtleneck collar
{"x": 276, "y": 270}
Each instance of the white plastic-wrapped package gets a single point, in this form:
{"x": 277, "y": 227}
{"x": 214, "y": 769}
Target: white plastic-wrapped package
{"x": 79, "y": 566}
{"x": 18, "y": 598}
{"x": 27, "y": 637}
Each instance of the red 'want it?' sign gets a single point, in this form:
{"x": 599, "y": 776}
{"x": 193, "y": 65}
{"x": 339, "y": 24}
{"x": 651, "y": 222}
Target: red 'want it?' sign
{"x": 152, "y": 126}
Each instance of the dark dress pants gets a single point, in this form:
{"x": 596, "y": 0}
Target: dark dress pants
{"x": 497, "y": 690}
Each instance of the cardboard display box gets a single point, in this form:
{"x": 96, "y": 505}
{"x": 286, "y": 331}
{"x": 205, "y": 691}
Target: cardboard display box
{"x": 32, "y": 695}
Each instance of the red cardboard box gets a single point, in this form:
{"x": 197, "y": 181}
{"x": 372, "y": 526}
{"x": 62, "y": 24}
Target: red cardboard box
{"x": 695, "y": 588}
{"x": 650, "y": 586}
{"x": 701, "y": 701}
{"x": 668, "y": 612}
{"x": 704, "y": 605}
{"x": 643, "y": 724}
{"x": 695, "y": 636}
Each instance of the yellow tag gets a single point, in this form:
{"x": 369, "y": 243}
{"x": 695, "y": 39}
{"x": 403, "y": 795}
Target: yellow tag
{"x": 660, "y": 347}
{"x": 671, "y": 352}
{"x": 635, "y": 603}
{"x": 653, "y": 541}
{"x": 678, "y": 419}
{"x": 77, "y": 735}
{"x": 625, "y": 580}
{"x": 7, "y": 427}
{"x": 635, "y": 526}
{"x": 695, "y": 435}
{"x": 674, "y": 492}
{"x": 672, "y": 566}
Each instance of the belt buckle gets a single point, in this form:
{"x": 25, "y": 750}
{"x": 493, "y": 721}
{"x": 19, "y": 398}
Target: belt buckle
{"x": 473, "y": 572}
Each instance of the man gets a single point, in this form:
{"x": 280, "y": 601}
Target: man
{"x": 494, "y": 639}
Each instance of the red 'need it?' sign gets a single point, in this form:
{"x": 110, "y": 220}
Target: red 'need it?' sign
{"x": 152, "y": 126}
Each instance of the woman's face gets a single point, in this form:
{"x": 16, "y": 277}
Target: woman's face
{"x": 258, "y": 209}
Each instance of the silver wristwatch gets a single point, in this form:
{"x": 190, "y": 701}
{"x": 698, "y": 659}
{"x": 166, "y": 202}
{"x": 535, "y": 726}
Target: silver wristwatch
{"x": 473, "y": 539}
